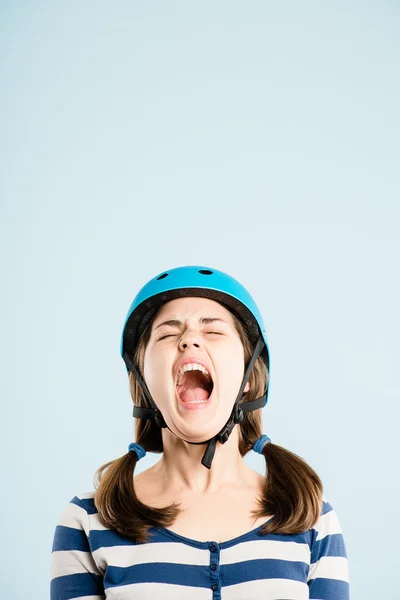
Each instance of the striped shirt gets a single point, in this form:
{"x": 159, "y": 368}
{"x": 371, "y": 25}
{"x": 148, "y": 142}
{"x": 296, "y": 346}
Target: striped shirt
{"x": 93, "y": 562}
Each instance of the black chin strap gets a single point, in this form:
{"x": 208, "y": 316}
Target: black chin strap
{"x": 236, "y": 416}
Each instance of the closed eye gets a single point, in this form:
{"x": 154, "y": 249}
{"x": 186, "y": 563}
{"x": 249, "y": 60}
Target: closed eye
{"x": 173, "y": 334}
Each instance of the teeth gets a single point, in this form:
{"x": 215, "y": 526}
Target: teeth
{"x": 192, "y": 367}
{"x": 196, "y": 402}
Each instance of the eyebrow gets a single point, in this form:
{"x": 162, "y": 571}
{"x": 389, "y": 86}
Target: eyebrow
{"x": 177, "y": 323}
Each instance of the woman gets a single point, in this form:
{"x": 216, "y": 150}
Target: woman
{"x": 200, "y": 523}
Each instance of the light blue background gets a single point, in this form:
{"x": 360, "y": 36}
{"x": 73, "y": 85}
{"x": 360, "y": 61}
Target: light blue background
{"x": 261, "y": 138}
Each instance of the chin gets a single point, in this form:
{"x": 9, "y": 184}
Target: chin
{"x": 198, "y": 430}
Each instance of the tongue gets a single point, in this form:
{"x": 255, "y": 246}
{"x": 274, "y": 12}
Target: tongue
{"x": 196, "y": 394}
{"x": 193, "y": 387}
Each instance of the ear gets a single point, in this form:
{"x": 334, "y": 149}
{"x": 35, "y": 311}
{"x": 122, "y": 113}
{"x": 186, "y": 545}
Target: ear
{"x": 246, "y": 389}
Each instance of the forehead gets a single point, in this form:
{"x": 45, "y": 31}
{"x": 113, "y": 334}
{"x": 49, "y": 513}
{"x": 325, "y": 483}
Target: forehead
{"x": 185, "y": 308}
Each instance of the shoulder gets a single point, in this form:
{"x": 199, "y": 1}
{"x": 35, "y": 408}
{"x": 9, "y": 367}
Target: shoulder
{"x": 326, "y": 535}
{"x": 74, "y": 571}
{"x": 329, "y": 569}
{"x": 328, "y": 522}
{"x": 76, "y": 514}
{"x": 82, "y": 500}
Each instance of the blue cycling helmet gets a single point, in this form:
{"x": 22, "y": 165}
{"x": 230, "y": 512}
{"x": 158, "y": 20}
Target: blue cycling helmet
{"x": 202, "y": 282}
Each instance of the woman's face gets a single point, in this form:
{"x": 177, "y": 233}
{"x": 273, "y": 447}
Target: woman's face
{"x": 204, "y": 332}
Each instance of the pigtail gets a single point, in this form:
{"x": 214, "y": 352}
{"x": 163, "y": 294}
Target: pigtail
{"x": 118, "y": 506}
{"x": 292, "y": 492}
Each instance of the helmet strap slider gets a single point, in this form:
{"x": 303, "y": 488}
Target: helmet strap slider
{"x": 159, "y": 419}
{"x": 226, "y": 431}
{"x": 238, "y": 414}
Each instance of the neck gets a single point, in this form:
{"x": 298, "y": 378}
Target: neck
{"x": 180, "y": 466}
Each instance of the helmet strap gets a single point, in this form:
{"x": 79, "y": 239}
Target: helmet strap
{"x": 236, "y": 416}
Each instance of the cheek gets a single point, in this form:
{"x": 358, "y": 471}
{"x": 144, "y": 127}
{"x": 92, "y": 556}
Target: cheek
{"x": 150, "y": 368}
{"x": 156, "y": 369}
{"x": 230, "y": 368}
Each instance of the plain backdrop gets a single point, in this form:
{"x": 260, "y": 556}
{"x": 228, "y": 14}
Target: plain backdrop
{"x": 260, "y": 138}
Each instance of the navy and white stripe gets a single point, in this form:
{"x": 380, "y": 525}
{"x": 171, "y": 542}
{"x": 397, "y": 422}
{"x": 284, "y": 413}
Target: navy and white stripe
{"x": 92, "y": 562}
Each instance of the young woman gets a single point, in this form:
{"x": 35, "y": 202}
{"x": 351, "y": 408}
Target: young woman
{"x": 200, "y": 524}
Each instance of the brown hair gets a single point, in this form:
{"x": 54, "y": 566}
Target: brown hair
{"x": 292, "y": 492}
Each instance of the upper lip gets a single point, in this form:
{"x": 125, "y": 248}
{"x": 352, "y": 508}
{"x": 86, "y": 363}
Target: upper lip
{"x": 191, "y": 359}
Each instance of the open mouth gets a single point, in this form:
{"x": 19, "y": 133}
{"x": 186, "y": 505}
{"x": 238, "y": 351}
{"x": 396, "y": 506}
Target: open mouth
{"x": 194, "y": 387}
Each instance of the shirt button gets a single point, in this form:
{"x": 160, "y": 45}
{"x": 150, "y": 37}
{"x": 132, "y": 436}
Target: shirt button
{"x": 213, "y": 566}
{"x": 213, "y": 548}
{"x": 214, "y": 587}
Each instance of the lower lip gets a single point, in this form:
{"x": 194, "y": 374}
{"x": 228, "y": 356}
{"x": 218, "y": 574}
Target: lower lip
{"x": 194, "y": 405}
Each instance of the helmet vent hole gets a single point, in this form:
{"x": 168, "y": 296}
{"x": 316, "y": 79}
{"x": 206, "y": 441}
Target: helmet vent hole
{"x": 205, "y": 272}
{"x": 162, "y": 276}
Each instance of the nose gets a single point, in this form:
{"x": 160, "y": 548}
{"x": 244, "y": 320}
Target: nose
{"x": 189, "y": 338}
